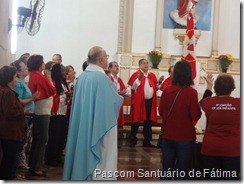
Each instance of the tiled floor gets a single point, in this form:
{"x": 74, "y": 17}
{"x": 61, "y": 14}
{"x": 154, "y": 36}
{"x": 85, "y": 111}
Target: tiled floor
{"x": 133, "y": 163}
{"x": 137, "y": 162}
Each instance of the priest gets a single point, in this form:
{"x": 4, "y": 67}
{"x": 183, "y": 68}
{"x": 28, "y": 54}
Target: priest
{"x": 92, "y": 136}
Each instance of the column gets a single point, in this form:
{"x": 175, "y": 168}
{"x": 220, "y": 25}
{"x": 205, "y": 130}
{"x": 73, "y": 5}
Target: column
{"x": 215, "y": 29}
{"x": 159, "y": 23}
{"x": 125, "y": 25}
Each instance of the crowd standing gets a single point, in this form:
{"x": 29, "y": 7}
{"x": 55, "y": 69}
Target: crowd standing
{"x": 46, "y": 108}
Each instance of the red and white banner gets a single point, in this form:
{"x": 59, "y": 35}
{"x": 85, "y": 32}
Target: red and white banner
{"x": 189, "y": 45}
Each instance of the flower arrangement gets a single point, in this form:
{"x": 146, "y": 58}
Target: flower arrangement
{"x": 155, "y": 57}
{"x": 225, "y": 61}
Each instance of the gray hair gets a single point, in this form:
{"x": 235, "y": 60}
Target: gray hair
{"x": 94, "y": 54}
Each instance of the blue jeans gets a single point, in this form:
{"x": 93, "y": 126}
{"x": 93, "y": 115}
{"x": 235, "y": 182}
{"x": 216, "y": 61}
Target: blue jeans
{"x": 221, "y": 163}
{"x": 177, "y": 157}
{"x": 40, "y": 138}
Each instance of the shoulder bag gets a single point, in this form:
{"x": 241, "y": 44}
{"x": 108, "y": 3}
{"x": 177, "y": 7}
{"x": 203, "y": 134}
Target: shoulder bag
{"x": 160, "y": 138}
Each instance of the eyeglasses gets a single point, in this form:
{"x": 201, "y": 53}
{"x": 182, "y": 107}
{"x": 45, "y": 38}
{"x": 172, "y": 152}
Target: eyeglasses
{"x": 107, "y": 56}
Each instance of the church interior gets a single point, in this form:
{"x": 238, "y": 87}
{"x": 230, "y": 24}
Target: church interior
{"x": 128, "y": 30}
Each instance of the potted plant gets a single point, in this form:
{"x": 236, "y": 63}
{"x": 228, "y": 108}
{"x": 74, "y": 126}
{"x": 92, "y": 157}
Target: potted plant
{"x": 155, "y": 58}
{"x": 225, "y": 61}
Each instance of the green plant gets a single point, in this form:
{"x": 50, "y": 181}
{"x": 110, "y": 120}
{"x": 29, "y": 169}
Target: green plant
{"x": 155, "y": 57}
{"x": 225, "y": 61}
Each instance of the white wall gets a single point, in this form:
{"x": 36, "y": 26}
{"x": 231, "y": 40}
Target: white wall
{"x": 5, "y": 36}
{"x": 144, "y": 22}
{"x": 71, "y": 28}
{"x": 229, "y": 27}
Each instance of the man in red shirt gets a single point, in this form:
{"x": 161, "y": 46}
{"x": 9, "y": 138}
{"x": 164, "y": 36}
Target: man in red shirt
{"x": 119, "y": 84}
{"x": 143, "y": 102}
{"x": 168, "y": 81}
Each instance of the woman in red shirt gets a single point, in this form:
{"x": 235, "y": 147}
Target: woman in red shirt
{"x": 179, "y": 131}
{"x": 221, "y": 142}
{"x": 43, "y": 105}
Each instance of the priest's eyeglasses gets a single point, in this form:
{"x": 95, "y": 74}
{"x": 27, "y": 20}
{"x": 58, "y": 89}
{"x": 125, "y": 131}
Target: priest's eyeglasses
{"x": 107, "y": 56}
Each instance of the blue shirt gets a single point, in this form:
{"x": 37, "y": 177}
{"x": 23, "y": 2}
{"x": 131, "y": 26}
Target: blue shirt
{"x": 24, "y": 92}
{"x": 95, "y": 110}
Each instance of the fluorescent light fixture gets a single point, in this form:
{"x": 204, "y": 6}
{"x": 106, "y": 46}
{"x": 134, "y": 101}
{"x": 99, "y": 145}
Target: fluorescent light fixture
{"x": 14, "y": 28}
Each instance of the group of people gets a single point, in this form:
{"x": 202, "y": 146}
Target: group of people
{"x": 179, "y": 135}
{"x": 96, "y": 112}
{"x": 35, "y": 101}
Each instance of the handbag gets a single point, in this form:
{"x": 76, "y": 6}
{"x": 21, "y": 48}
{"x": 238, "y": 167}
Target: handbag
{"x": 160, "y": 138}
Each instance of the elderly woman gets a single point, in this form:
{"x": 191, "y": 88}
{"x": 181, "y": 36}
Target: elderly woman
{"x": 12, "y": 123}
{"x": 221, "y": 142}
{"x": 179, "y": 132}
{"x": 27, "y": 99}
{"x": 43, "y": 105}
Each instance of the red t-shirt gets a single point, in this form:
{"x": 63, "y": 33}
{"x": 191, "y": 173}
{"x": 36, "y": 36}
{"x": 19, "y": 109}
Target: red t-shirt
{"x": 186, "y": 110}
{"x": 166, "y": 83}
{"x": 222, "y": 135}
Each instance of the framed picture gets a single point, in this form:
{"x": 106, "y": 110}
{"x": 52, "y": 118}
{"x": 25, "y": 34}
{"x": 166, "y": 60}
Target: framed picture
{"x": 201, "y": 12}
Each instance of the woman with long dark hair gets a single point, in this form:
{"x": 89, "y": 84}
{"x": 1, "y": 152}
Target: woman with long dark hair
{"x": 179, "y": 132}
{"x": 58, "y": 120}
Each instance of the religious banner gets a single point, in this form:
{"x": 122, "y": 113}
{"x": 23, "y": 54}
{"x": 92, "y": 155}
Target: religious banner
{"x": 189, "y": 53}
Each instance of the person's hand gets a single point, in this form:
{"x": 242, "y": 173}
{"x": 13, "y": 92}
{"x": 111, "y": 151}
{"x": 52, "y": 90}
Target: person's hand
{"x": 28, "y": 111}
{"x": 209, "y": 79}
{"x": 69, "y": 94}
{"x": 161, "y": 79}
{"x": 35, "y": 95}
{"x": 122, "y": 92}
{"x": 140, "y": 75}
